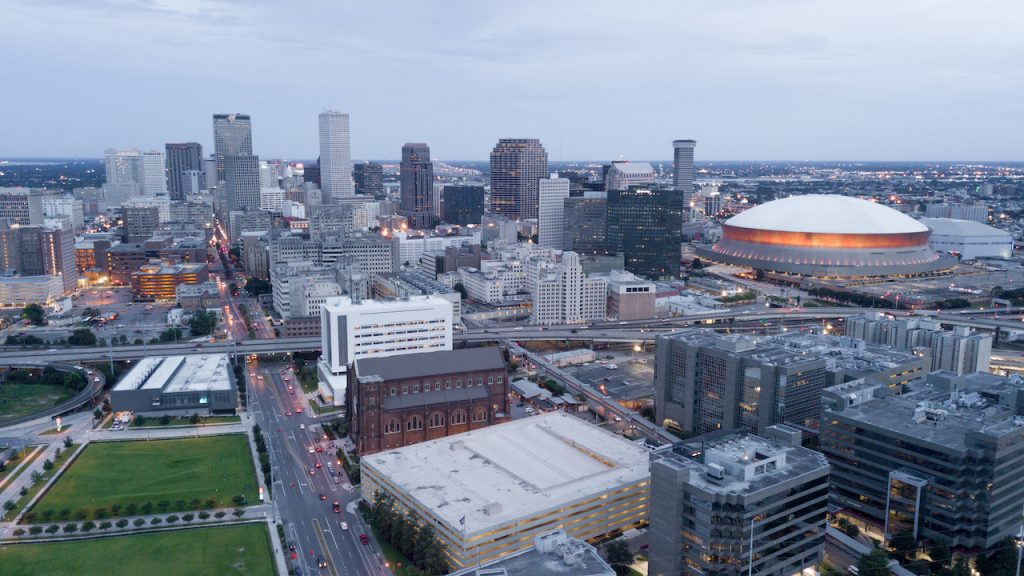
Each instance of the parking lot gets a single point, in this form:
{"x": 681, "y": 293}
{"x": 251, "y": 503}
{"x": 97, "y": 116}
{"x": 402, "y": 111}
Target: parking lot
{"x": 628, "y": 380}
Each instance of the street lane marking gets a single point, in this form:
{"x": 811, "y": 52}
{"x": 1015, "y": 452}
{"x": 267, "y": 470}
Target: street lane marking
{"x": 324, "y": 551}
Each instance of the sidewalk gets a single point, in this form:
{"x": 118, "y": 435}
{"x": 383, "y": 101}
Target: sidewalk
{"x": 22, "y": 463}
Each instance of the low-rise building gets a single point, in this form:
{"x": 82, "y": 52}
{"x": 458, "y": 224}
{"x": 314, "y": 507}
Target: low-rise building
{"x": 411, "y": 398}
{"x": 488, "y": 492}
{"x": 553, "y": 554}
{"x": 159, "y": 282}
{"x": 202, "y": 383}
{"x": 629, "y": 296}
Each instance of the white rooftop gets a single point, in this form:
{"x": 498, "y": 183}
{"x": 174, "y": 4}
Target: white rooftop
{"x": 946, "y": 226}
{"x": 826, "y": 213}
{"x": 197, "y": 372}
{"x": 520, "y": 468}
{"x": 634, "y": 168}
{"x": 344, "y": 304}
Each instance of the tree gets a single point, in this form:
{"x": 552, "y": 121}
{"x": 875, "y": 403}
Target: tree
{"x": 122, "y": 523}
{"x": 904, "y": 544}
{"x": 68, "y": 443}
{"x": 258, "y": 287}
{"x": 35, "y": 314}
{"x": 47, "y": 464}
{"x": 9, "y": 505}
{"x": 140, "y": 420}
{"x": 165, "y": 420}
{"x": 619, "y": 556}
{"x": 88, "y": 526}
{"x": 90, "y": 313}
{"x": 105, "y": 525}
{"x": 874, "y": 563}
{"x": 97, "y": 414}
{"x": 139, "y": 521}
{"x": 461, "y": 290}
{"x": 1002, "y": 562}
{"x": 202, "y": 323}
{"x": 82, "y": 337}
{"x": 170, "y": 335}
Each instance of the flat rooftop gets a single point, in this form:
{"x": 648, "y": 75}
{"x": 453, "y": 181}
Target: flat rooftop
{"x": 496, "y": 474}
{"x": 931, "y": 414}
{"x": 174, "y": 374}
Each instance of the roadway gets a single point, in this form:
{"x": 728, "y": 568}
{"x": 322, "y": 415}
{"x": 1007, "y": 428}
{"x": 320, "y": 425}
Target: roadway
{"x": 309, "y": 522}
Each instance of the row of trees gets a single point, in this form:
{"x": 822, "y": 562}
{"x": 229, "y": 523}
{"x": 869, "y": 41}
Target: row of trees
{"x": 1001, "y": 561}
{"x": 261, "y": 449}
{"x": 48, "y": 376}
{"x": 89, "y": 525}
{"x": 403, "y": 531}
{"x": 202, "y": 323}
{"x": 129, "y": 509}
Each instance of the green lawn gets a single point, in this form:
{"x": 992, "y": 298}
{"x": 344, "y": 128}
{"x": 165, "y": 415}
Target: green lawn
{"x": 44, "y": 477}
{"x": 197, "y": 552}
{"x": 32, "y": 455}
{"x": 17, "y": 400}
{"x": 140, "y": 472}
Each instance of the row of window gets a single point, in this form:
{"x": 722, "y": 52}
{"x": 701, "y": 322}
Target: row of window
{"x": 447, "y": 385}
{"x": 436, "y": 420}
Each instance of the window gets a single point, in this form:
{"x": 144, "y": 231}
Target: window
{"x": 447, "y": 384}
{"x": 394, "y": 391}
{"x": 436, "y": 420}
{"x": 437, "y": 385}
{"x": 405, "y": 389}
{"x": 414, "y": 422}
{"x": 479, "y": 380}
{"x": 415, "y": 388}
{"x": 480, "y": 414}
{"x": 490, "y": 380}
{"x": 501, "y": 379}
{"x": 459, "y": 417}
{"x": 458, "y": 383}
{"x": 392, "y": 427}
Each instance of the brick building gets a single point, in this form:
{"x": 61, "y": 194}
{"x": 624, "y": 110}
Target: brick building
{"x": 401, "y": 400}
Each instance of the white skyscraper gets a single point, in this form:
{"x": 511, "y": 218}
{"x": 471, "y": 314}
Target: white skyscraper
{"x": 682, "y": 168}
{"x": 551, "y": 193}
{"x": 153, "y": 181}
{"x": 133, "y": 173}
{"x": 565, "y": 295}
{"x": 335, "y": 157}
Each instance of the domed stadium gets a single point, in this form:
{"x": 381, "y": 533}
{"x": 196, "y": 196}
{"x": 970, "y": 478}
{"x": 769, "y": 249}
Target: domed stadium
{"x": 827, "y": 236}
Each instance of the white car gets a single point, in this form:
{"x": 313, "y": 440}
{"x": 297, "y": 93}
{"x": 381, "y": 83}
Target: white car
{"x": 302, "y": 426}
{"x": 344, "y": 525}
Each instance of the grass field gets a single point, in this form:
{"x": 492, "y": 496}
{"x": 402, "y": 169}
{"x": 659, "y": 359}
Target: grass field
{"x": 155, "y": 471}
{"x": 17, "y": 400}
{"x": 235, "y": 550}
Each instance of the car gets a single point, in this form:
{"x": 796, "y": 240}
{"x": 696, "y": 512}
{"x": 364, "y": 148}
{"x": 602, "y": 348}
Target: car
{"x": 320, "y": 562}
{"x": 344, "y": 525}
{"x": 288, "y": 413}
{"x": 298, "y": 571}
{"x": 312, "y": 471}
{"x": 318, "y": 464}
{"x": 323, "y": 496}
{"x": 302, "y": 426}
{"x": 291, "y": 547}
{"x": 298, "y": 410}
{"x": 319, "y": 448}
{"x": 311, "y": 450}
{"x": 337, "y": 507}
{"x": 337, "y": 480}
{"x": 364, "y": 539}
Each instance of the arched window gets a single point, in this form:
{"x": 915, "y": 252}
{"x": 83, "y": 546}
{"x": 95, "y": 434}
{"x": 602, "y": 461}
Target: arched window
{"x": 459, "y": 417}
{"x": 392, "y": 427}
{"x": 480, "y": 414}
{"x": 414, "y": 422}
{"x": 436, "y": 419}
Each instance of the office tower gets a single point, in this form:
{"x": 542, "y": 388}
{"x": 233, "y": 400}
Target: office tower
{"x": 585, "y": 223}
{"x": 67, "y": 210}
{"x": 335, "y": 157}
{"x": 153, "y": 175}
{"x": 517, "y": 165}
{"x": 369, "y": 179}
{"x": 958, "y": 211}
{"x": 682, "y": 168}
{"x": 739, "y": 504}
{"x": 183, "y": 159}
{"x": 242, "y": 182}
{"x": 621, "y": 175}
{"x": 139, "y": 222}
{"x": 551, "y": 195}
{"x": 22, "y": 206}
{"x": 644, "y": 225}
{"x": 463, "y": 204}
{"x": 959, "y": 350}
{"x": 232, "y": 136}
{"x": 132, "y": 173}
{"x": 38, "y": 251}
{"x": 311, "y": 173}
{"x": 563, "y": 294}
{"x": 417, "y": 174}
{"x": 940, "y": 462}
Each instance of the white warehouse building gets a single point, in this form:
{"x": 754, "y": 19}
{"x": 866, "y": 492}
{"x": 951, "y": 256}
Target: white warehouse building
{"x": 352, "y": 329}
{"x": 968, "y": 238}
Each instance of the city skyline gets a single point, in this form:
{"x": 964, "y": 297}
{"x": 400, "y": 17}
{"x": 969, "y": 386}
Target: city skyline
{"x": 791, "y": 81}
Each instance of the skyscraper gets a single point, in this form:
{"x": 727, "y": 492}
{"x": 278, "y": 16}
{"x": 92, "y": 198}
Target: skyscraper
{"x": 153, "y": 175}
{"x": 133, "y": 173}
{"x": 517, "y": 165}
{"x": 417, "y": 185}
{"x": 682, "y": 168}
{"x": 551, "y": 193}
{"x": 463, "y": 204}
{"x": 232, "y": 136}
{"x": 645, "y": 225}
{"x": 242, "y": 182}
{"x": 585, "y": 223}
{"x": 335, "y": 157}
{"x": 369, "y": 179}
{"x": 182, "y": 159}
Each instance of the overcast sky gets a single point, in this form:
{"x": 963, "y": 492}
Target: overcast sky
{"x": 748, "y": 79}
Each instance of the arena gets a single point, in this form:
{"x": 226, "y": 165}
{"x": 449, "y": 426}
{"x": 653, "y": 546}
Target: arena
{"x": 827, "y": 236}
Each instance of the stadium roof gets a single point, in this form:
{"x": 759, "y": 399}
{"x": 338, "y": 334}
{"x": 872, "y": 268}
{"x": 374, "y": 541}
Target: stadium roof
{"x": 951, "y": 226}
{"x": 826, "y": 213}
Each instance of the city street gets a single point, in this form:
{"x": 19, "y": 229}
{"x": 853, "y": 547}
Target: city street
{"x": 309, "y": 522}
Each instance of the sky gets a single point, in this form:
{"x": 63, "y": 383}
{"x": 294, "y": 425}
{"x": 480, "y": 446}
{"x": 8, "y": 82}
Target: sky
{"x": 593, "y": 80}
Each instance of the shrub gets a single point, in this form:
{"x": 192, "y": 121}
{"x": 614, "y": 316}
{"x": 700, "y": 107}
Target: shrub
{"x": 238, "y": 512}
{"x": 219, "y": 514}
{"x": 81, "y": 514}
{"x": 140, "y": 521}
{"x": 69, "y": 528}
{"x": 188, "y": 517}
{"x": 35, "y": 530}
{"x": 239, "y": 500}
{"x": 105, "y": 525}
{"x": 88, "y": 526}
{"x": 52, "y": 529}
{"x": 155, "y": 521}
{"x": 18, "y": 532}
{"x": 122, "y": 523}
{"x": 172, "y": 518}
{"x": 180, "y": 505}
{"x": 204, "y": 515}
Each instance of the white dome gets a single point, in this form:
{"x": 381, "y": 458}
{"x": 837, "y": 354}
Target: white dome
{"x": 826, "y": 213}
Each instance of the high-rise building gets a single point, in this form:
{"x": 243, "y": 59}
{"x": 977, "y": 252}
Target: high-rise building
{"x": 132, "y": 173}
{"x": 22, "y": 206}
{"x": 39, "y": 251}
{"x": 232, "y": 136}
{"x": 623, "y": 174}
{"x": 183, "y": 160}
{"x": 417, "y": 174}
{"x": 959, "y": 350}
{"x": 369, "y": 179}
{"x": 351, "y": 329}
{"x": 941, "y": 461}
{"x": 242, "y": 182}
{"x": 517, "y": 165}
{"x": 682, "y": 168}
{"x": 139, "y": 222}
{"x": 563, "y": 294}
{"x": 463, "y": 204}
{"x": 585, "y": 223}
{"x": 551, "y": 195}
{"x": 335, "y": 157}
{"x": 736, "y": 505}
{"x": 153, "y": 176}
{"x": 644, "y": 225}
